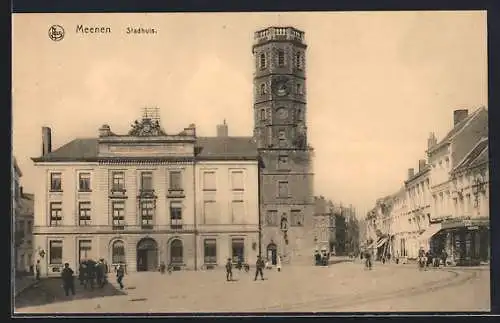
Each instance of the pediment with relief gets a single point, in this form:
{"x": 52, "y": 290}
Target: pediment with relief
{"x": 147, "y": 127}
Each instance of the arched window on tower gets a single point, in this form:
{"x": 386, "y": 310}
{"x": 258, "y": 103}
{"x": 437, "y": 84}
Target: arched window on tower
{"x": 262, "y": 61}
{"x": 263, "y": 89}
{"x": 281, "y": 58}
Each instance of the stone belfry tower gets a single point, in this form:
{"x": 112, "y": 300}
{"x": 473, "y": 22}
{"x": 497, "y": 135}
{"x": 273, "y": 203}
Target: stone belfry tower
{"x": 280, "y": 130}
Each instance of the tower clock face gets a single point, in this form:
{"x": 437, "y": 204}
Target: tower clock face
{"x": 281, "y": 86}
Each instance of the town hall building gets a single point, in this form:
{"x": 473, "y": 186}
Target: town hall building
{"x": 148, "y": 197}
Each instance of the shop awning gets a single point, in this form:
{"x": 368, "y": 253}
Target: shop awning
{"x": 431, "y": 230}
{"x": 381, "y": 242}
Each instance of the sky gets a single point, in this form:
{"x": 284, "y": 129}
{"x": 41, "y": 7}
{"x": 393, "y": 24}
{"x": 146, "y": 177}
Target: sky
{"x": 377, "y": 84}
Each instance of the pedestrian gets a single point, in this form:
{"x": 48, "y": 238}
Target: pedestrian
{"x": 81, "y": 273}
{"x": 278, "y": 263}
{"x": 259, "y": 265}
{"x": 120, "y": 273}
{"x": 162, "y": 267}
{"x": 67, "y": 278}
{"x": 444, "y": 257}
{"x": 37, "y": 270}
{"x": 229, "y": 270}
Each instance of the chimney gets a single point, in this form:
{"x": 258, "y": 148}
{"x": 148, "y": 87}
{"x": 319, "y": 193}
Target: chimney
{"x": 421, "y": 164}
{"x": 431, "y": 141}
{"x": 46, "y": 141}
{"x": 411, "y": 172}
{"x": 104, "y": 130}
{"x": 459, "y": 116}
{"x": 190, "y": 130}
{"x": 222, "y": 130}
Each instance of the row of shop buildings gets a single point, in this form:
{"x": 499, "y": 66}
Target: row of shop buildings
{"x": 444, "y": 204}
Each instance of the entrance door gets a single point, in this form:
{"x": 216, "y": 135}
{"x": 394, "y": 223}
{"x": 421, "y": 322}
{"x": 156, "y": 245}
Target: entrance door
{"x": 176, "y": 252}
{"x": 147, "y": 255}
{"x": 272, "y": 253}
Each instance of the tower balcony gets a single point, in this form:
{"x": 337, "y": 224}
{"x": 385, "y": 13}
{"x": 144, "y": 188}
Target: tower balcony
{"x": 278, "y": 33}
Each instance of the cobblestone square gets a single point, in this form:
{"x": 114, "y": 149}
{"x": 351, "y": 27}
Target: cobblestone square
{"x": 340, "y": 287}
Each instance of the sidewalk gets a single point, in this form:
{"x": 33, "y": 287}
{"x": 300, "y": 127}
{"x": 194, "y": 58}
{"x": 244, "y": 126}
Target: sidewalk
{"x": 23, "y": 283}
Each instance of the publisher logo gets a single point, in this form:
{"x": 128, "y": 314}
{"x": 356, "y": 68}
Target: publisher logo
{"x": 56, "y": 33}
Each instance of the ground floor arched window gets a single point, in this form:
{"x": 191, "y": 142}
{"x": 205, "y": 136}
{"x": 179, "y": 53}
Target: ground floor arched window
{"x": 176, "y": 252}
{"x": 118, "y": 252}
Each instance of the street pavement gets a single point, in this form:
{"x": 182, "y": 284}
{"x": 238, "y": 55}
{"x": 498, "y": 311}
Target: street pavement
{"x": 341, "y": 287}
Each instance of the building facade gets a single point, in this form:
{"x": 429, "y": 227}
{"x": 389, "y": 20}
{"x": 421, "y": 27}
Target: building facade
{"x": 324, "y": 225}
{"x": 445, "y": 157}
{"x": 24, "y": 227}
{"x": 444, "y": 206}
{"x": 400, "y": 226}
{"x": 418, "y": 204}
{"x": 466, "y": 235}
{"x": 17, "y": 237}
{"x": 280, "y": 130}
{"x": 146, "y": 197}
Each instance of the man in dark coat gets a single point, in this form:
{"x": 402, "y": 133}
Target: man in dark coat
{"x": 259, "y": 265}
{"x": 37, "y": 269}
{"x": 229, "y": 270}
{"x": 67, "y": 278}
{"x": 120, "y": 273}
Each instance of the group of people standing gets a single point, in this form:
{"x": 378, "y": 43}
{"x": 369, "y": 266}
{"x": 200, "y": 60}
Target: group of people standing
{"x": 90, "y": 274}
{"x": 259, "y": 268}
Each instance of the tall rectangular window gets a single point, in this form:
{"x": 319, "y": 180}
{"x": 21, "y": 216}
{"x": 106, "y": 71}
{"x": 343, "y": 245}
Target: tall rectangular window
{"x": 298, "y": 61}
{"x": 84, "y": 182}
{"x": 118, "y": 209}
{"x": 147, "y": 181}
{"x": 238, "y": 249}
{"x": 176, "y": 215}
{"x": 238, "y": 212}
{"x": 270, "y": 136}
{"x": 210, "y": 251}
{"x": 56, "y": 182}
{"x": 84, "y": 211}
{"x": 237, "y": 181}
{"x": 262, "y": 114}
{"x": 175, "y": 181}
{"x": 55, "y": 213}
{"x": 272, "y": 218}
{"x": 55, "y": 252}
{"x": 281, "y": 58}
{"x": 282, "y": 138}
{"x": 283, "y": 189}
{"x": 210, "y": 213}
{"x": 297, "y": 218}
{"x": 209, "y": 181}
{"x": 118, "y": 181}
{"x": 84, "y": 249}
{"x": 147, "y": 212}
{"x": 262, "y": 61}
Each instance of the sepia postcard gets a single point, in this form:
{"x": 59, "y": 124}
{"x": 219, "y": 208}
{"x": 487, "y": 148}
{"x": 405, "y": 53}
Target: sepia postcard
{"x": 250, "y": 162}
